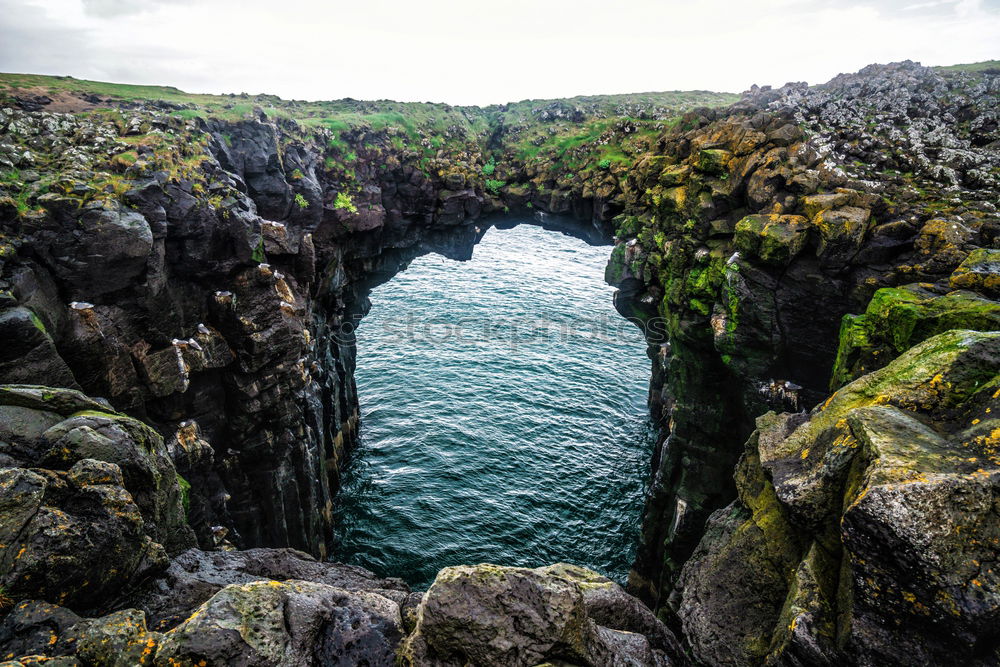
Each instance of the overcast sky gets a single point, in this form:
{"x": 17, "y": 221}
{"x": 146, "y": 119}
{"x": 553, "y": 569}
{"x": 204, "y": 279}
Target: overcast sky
{"x": 469, "y": 52}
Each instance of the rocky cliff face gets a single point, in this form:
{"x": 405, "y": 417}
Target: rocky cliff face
{"x": 206, "y": 282}
{"x": 757, "y": 236}
{"x": 203, "y": 273}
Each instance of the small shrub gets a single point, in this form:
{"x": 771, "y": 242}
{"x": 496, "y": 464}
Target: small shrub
{"x": 301, "y": 201}
{"x": 258, "y": 252}
{"x": 343, "y": 201}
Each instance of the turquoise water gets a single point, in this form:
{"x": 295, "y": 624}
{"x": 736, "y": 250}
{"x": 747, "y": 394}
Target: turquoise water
{"x": 503, "y": 415}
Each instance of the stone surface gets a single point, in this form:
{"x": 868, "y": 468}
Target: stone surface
{"x": 75, "y": 537}
{"x": 286, "y": 623}
{"x": 871, "y": 518}
{"x": 194, "y": 576}
{"x": 489, "y": 615}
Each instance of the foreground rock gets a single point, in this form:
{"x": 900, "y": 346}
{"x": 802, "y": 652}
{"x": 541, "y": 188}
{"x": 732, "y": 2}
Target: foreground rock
{"x": 222, "y": 608}
{"x": 489, "y": 615}
{"x": 195, "y": 575}
{"x": 257, "y": 608}
{"x": 291, "y": 623}
{"x": 866, "y": 531}
{"x": 90, "y": 501}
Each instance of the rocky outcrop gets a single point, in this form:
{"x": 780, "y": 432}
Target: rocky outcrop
{"x": 752, "y": 235}
{"x": 194, "y": 576}
{"x": 281, "y": 607}
{"x": 93, "y": 502}
{"x": 489, "y": 615}
{"x": 205, "y": 278}
{"x": 258, "y": 623}
{"x": 865, "y": 532}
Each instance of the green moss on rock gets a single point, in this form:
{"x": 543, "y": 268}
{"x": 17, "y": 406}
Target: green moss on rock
{"x": 898, "y": 318}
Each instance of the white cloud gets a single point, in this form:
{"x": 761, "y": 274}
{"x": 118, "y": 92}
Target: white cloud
{"x": 467, "y": 52}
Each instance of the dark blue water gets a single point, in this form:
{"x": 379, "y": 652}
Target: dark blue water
{"x": 503, "y": 415}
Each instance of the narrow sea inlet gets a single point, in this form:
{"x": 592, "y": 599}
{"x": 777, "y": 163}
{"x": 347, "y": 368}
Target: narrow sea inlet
{"x": 503, "y": 415}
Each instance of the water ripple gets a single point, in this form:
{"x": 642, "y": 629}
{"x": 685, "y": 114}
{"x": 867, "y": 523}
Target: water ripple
{"x": 503, "y": 415}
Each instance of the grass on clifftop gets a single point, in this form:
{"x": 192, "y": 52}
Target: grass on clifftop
{"x": 985, "y": 66}
{"x": 351, "y": 112}
{"x": 573, "y": 132}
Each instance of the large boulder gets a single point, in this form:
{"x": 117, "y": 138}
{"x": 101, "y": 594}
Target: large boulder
{"x": 194, "y": 576}
{"x": 96, "y": 249}
{"x": 29, "y": 351}
{"x": 232, "y": 608}
{"x": 75, "y": 537}
{"x": 490, "y": 615}
{"x": 292, "y": 623}
{"x": 898, "y": 318}
{"x": 77, "y": 428}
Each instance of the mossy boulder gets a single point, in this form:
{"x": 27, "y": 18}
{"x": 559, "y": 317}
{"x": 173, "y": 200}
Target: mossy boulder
{"x": 734, "y": 584}
{"x": 286, "y": 623}
{"x": 56, "y": 636}
{"x": 82, "y": 428}
{"x": 75, "y": 538}
{"x": 841, "y": 233}
{"x": 898, "y": 318}
{"x": 29, "y": 351}
{"x": 979, "y": 271}
{"x": 862, "y": 529}
{"x": 713, "y": 160}
{"x": 813, "y": 205}
{"x": 774, "y": 239}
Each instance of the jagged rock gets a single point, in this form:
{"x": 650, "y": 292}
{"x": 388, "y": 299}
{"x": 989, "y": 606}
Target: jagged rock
{"x": 107, "y": 253}
{"x": 862, "y": 529}
{"x": 979, "y": 271}
{"x": 30, "y": 351}
{"x": 79, "y": 428}
{"x": 119, "y": 639}
{"x": 33, "y": 628}
{"x": 286, "y": 623}
{"x": 73, "y": 537}
{"x": 842, "y": 231}
{"x": 489, "y": 615}
{"x": 774, "y": 239}
{"x": 194, "y": 576}
{"x": 898, "y": 318}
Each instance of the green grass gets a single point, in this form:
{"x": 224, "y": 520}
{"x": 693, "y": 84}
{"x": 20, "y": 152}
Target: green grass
{"x": 585, "y": 136}
{"x": 992, "y": 66}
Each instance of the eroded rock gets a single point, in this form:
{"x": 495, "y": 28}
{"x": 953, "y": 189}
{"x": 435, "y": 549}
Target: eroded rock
{"x": 489, "y": 615}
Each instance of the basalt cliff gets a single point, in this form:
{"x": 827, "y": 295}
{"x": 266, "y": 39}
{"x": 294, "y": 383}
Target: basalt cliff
{"x": 816, "y": 271}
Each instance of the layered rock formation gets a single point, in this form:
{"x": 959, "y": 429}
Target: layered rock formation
{"x": 755, "y": 240}
{"x": 202, "y": 274}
